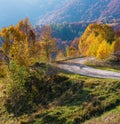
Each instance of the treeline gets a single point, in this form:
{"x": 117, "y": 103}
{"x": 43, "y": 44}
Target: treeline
{"x": 26, "y": 45}
{"x": 97, "y": 40}
{"x": 23, "y": 45}
{"x": 67, "y": 37}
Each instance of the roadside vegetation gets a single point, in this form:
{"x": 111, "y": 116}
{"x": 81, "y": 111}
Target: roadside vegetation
{"x": 104, "y": 65}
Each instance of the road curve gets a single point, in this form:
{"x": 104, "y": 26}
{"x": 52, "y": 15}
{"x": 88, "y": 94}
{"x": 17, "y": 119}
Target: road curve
{"x": 77, "y": 66}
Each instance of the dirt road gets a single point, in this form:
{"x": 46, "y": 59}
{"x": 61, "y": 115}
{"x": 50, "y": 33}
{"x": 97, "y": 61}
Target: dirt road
{"x": 77, "y": 66}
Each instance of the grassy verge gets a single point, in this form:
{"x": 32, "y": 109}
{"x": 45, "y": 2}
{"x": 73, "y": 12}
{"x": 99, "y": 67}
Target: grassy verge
{"x": 103, "y": 66}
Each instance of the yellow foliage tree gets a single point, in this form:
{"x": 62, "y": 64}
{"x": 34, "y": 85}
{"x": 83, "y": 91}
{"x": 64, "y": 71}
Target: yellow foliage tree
{"x": 20, "y": 42}
{"x": 104, "y": 50}
{"x": 93, "y": 48}
{"x": 19, "y": 52}
{"x": 25, "y": 27}
{"x": 10, "y": 35}
{"x": 60, "y": 55}
{"x": 71, "y": 51}
{"x": 92, "y": 38}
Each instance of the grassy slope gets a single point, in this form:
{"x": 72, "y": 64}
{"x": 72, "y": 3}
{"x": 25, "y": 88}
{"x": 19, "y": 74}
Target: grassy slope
{"x": 78, "y": 99}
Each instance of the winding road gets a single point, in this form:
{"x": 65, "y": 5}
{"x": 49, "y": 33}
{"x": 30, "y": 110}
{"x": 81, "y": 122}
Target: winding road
{"x": 77, "y": 66}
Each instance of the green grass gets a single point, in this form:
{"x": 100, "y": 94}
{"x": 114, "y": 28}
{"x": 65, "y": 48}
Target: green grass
{"x": 76, "y": 99}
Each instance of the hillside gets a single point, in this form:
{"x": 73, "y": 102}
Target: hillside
{"x": 65, "y": 31}
{"x": 85, "y": 10}
{"x": 61, "y": 99}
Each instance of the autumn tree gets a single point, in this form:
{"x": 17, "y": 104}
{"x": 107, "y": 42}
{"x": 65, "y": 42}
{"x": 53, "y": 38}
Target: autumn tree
{"x": 68, "y": 51}
{"x": 118, "y": 32}
{"x": 26, "y": 27}
{"x": 48, "y": 44}
{"x": 91, "y": 40}
{"x": 60, "y": 55}
{"x": 10, "y": 35}
{"x": 94, "y": 46}
{"x": 71, "y": 51}
{"x": 20, "y": 42}
{"x": 31, "y": 36}
{"x": 116, "y": 45}
{"x": 75, "y": 43}
{"x": 104, "y": 50}
{"x": 19, "y": 52}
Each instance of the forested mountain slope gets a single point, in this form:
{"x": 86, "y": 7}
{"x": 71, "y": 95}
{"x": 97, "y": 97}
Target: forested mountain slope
{"x": 85, "y": 10}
